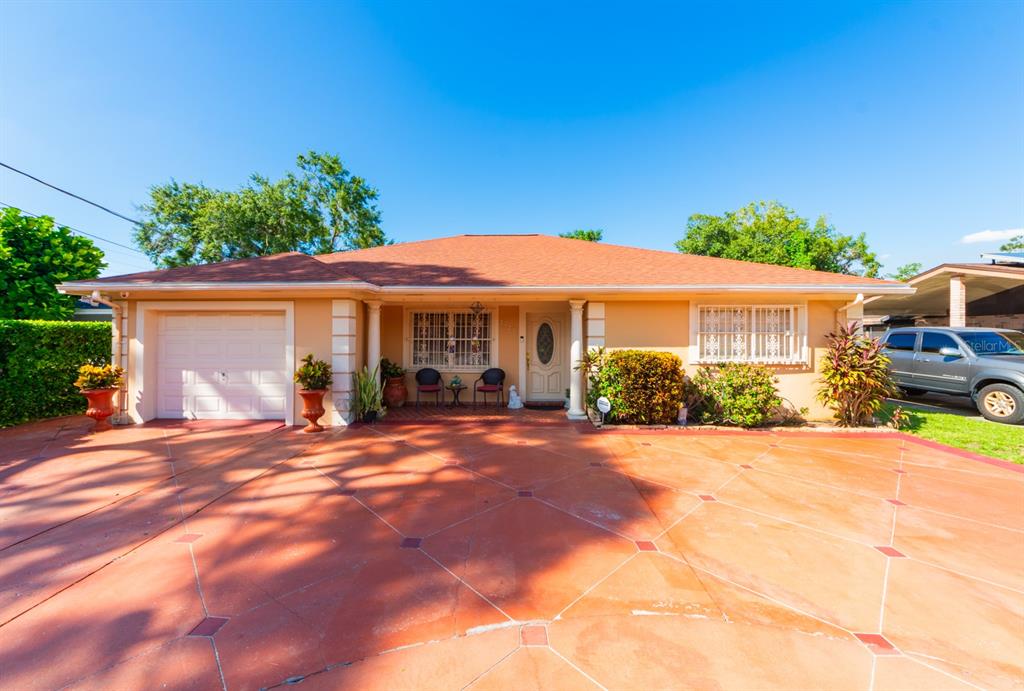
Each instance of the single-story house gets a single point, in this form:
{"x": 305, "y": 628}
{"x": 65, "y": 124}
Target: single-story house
{"x": 989, "y": 293}
{"x": 223, "y": 340}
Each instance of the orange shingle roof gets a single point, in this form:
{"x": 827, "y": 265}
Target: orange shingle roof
{"x": 502, "y": 260}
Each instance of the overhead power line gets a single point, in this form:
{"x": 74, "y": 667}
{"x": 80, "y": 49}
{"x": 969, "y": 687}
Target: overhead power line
{"x": 70, "y": 194}
{"x": 76, "y": 230}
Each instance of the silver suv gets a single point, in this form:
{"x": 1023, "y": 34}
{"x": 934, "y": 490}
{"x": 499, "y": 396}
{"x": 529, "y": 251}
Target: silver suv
{"x": 985, "y": 364}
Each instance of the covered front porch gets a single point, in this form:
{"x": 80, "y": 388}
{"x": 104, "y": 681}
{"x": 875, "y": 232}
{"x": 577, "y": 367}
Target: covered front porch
{"x": 534, "y": 343}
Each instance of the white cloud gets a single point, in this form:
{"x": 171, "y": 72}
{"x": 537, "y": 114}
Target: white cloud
{"x": 991, "y": 236}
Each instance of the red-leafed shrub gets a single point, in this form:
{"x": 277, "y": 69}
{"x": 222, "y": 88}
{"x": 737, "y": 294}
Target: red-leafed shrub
{"x": 855, "y": 379}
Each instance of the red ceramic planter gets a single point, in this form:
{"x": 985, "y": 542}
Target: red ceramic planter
{"x": 395, "y": 392}
{"x": 101, "y": 406}
{"x": 312, "y": 408}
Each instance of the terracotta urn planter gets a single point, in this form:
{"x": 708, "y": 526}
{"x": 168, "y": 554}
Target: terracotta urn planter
{"x": 312, "y": 408}
{"x": 101, "y": 406}
{"x": 395, "y": 392}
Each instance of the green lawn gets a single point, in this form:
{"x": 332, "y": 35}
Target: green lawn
{"x": 979, "y": 436}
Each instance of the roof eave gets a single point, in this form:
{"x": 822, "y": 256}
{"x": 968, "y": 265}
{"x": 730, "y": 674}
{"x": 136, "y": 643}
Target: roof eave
{"x": 85, "y": 287}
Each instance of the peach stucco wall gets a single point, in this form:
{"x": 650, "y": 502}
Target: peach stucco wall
{"x": 646, "y": 324}
{"x": 664, "y": 326}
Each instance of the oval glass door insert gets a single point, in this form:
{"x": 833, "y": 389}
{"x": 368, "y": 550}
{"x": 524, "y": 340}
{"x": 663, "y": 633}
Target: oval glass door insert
{"x": 545, "y": 343}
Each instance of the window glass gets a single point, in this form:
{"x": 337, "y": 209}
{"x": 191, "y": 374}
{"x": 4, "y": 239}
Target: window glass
{"x": 545, "y": 343}
{"x": 901, "y": 341}
{"x": 994, "y": 342}
{"x": 932, "y": 342}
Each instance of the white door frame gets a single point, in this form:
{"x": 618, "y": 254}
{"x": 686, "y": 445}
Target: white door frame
{"x": 142, "y": 405}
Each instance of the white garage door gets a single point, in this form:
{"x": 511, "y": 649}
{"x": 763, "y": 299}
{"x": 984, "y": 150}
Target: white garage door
{"x": 221, "y": 365}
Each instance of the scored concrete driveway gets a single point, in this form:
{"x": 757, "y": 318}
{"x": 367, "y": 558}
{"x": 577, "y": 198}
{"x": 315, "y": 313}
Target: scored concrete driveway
{"x": 502, "y": 555}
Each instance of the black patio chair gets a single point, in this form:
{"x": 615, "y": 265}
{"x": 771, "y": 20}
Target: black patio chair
{"x": 493, "y": 382}
{"x": 429, "y": 380}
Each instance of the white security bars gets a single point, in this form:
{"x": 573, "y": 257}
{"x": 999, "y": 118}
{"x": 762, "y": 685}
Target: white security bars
{"x": 767, "y": 334}
{"x": 454, "y": 340}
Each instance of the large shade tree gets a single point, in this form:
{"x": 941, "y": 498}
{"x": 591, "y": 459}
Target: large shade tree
{"x": 319, "y": 208}
{"x": 588, "y": 234}
{"x": 35, "y": 256}
{"x": 770, "y": 233}
{"x": 1014, "y": 245}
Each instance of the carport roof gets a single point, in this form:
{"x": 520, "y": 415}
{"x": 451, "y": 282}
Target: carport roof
{"x": 932, "y": 296}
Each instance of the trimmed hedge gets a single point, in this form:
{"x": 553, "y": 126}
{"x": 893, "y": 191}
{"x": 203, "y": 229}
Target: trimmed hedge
{"x": 39, "y": 363}
{"x": 737, "y": 394}
{"x": 644, "y": 387}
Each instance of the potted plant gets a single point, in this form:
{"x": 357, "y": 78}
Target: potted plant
{"x": 99, "y": 383}
{"x": 395, "y": 391}
{"x": 368, "y": 404}
{"x": 313, "y": 378}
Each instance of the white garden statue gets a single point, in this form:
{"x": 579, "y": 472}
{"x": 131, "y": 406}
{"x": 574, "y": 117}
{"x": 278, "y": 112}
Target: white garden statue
{"x": 514, "y": 402}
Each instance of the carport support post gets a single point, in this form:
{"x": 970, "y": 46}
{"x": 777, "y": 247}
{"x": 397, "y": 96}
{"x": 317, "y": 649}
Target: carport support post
{"x": 576, "y": 411}
{"x": 957, "y": 300}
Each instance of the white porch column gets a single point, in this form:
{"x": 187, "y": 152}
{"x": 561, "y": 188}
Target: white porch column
{"x": 372, "y": 333}
{"x": 343, "y": 358}
{"x": 576, "y": 411}
{"x": 957, "y": 301}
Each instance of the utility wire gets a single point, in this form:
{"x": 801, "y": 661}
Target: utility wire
{"x": 81, "y": 232}
{"x": 70, "y": 194}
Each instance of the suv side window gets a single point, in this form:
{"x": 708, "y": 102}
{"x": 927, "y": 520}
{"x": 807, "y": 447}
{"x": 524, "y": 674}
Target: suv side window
{"x": 901, "y": 341}
{"x": 931, "y": 342}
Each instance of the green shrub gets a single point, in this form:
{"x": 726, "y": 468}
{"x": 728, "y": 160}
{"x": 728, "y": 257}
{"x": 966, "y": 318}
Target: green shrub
{"x": 855, "y": 379}
{"x": 644, "y": 387}
{"x": 313, "y": 374}
{"x": 39, "y": 363}
{"x": 736, "y": 394}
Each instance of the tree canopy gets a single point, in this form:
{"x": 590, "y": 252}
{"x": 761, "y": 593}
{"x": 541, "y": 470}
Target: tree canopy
{"x": 590, "y": 235}
{"x": 36, "y": 255}
{"x": 906, "y": 272}
{"x": 319, "y": 208}
{"x": 770, "y": 233}
{"x": 1014, "y": 245}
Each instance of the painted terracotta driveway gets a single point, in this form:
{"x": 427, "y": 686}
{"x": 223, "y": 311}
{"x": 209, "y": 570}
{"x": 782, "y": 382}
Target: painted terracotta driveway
{"x": 493, "y": 554}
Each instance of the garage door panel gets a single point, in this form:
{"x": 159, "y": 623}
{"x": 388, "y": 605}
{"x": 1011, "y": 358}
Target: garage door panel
{"x": 273, "y": 406}
{"x": 270, "y": 322}
{"x": 208, "y": 348}
{"x": 242, "y": 349}
{"x": 222, "y": 365}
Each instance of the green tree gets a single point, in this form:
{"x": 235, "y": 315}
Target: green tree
{"x": 320, "y": 208}
{"x": 906, "y": 272}
{"x": 771, "y": 233}
{"x": 1014, "y": 245}
{"x": 34, "y": 257}
{"x": 590, "y": 235}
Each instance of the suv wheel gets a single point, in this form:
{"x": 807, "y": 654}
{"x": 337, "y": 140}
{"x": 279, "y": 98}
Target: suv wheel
{"x": 1001, "y": 403}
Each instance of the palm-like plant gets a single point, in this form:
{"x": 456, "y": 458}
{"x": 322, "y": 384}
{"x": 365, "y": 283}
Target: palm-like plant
{"x": 855, "y": 379}
{"x": 368, "y": 393}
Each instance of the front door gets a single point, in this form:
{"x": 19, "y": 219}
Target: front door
{"x": 546, "y": 379}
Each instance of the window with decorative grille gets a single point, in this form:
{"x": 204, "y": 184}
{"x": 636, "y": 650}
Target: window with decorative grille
{"x": 768, "y": 334}
{"x": 451, "y": 340}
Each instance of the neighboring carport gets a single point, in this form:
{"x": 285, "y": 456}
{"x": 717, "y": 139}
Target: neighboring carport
{"x": 957, "y": 295}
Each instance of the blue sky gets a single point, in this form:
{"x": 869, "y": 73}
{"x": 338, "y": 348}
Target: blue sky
{"x": 901, "y": 120}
